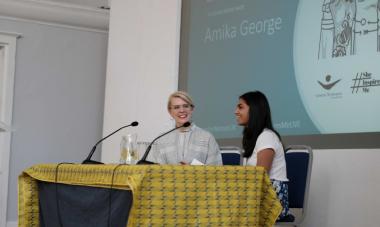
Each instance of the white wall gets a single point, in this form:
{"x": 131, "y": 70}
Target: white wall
{"x": 142, "y": 71}
{"x": 58, "y": 96}
{"x": 344, "y": 189}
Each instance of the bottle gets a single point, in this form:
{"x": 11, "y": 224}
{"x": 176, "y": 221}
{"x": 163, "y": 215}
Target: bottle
{"x": 128, "y": 152}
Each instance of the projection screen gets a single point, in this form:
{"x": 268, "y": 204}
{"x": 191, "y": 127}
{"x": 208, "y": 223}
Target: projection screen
{"x": 316, "y": 61}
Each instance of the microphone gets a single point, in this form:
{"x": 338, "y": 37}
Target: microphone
{"x": 143, "y": 160}
{"x": 88, "y": 159}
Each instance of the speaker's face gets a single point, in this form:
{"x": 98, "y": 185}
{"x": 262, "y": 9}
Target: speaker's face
{"x": 180, "y": 110}
{"x": 242, "y": 113}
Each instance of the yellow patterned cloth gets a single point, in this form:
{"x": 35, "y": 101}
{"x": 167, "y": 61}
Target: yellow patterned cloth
{"x": 166, "y": 195}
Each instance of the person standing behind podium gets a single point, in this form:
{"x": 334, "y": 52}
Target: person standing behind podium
{"x": 262, "y": 144}
{"x": 186, "y": 145}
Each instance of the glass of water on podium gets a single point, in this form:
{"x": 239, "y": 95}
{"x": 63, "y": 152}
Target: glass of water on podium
{"x": 128, "y": 149}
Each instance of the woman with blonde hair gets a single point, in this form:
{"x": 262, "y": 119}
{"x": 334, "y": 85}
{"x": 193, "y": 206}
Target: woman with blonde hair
{"x": 187, "y": 145}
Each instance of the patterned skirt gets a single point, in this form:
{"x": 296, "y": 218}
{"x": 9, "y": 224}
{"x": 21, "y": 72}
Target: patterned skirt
{"x": 281, "y": 189}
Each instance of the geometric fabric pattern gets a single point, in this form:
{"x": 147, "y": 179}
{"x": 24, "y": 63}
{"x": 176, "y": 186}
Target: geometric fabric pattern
{"x": 166, "y": 195}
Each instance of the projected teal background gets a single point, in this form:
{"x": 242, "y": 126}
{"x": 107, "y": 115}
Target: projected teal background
{"x": 284, "y": 49}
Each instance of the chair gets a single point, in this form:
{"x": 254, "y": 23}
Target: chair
{"x": 231, "y": 155}
{"x": 299, "y": 160}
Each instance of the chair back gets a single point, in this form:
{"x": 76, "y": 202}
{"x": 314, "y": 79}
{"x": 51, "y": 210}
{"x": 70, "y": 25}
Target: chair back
{"x": 298, "y": 165}
{"x": 231, "y": 155}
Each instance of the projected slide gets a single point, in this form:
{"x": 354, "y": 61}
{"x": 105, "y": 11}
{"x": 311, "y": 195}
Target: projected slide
{"x": 340, "y": 53}
{"x": 316, "y": 60}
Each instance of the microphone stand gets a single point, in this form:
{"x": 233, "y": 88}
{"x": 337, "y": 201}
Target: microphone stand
{"x": 143, "y": 160}
{"x": 88, "y": 159}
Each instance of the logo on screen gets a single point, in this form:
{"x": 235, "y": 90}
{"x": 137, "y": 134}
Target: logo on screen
{"x": 328, "y": 84}
{"x": 363, "y": 82}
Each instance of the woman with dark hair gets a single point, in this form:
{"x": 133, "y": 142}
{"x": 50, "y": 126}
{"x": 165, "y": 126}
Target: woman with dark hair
{"x": 261, "y": 143}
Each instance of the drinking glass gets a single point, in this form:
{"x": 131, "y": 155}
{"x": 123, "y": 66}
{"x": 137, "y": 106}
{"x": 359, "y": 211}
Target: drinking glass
{"x": 128, "y": 149}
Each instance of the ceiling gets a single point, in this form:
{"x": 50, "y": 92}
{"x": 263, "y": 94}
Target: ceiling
{"x": 92, "y": 14}
{"x": 94, "y": 4}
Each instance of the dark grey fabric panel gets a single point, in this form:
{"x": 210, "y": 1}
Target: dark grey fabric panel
{"x": 83, "y": 206}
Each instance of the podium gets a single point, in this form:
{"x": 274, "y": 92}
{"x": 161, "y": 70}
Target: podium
{"x": 162, "y": 195}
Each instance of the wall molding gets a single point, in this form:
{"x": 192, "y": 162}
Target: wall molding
{"x": 57, "y": 25}
{"x": 4, "y": 127}
{"x": 55, "y": 13}
{"x": 8, "y": 41}
{"x": 15, "y": 34}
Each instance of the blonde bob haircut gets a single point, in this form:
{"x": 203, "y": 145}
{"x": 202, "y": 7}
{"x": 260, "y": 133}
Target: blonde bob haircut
{"x": 182, "y": 95}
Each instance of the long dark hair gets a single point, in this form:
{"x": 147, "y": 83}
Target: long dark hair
{"x": 259, "y": 119}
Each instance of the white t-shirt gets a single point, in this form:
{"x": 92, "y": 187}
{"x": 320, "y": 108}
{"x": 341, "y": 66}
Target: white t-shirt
{"x": 269, "y": 139}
